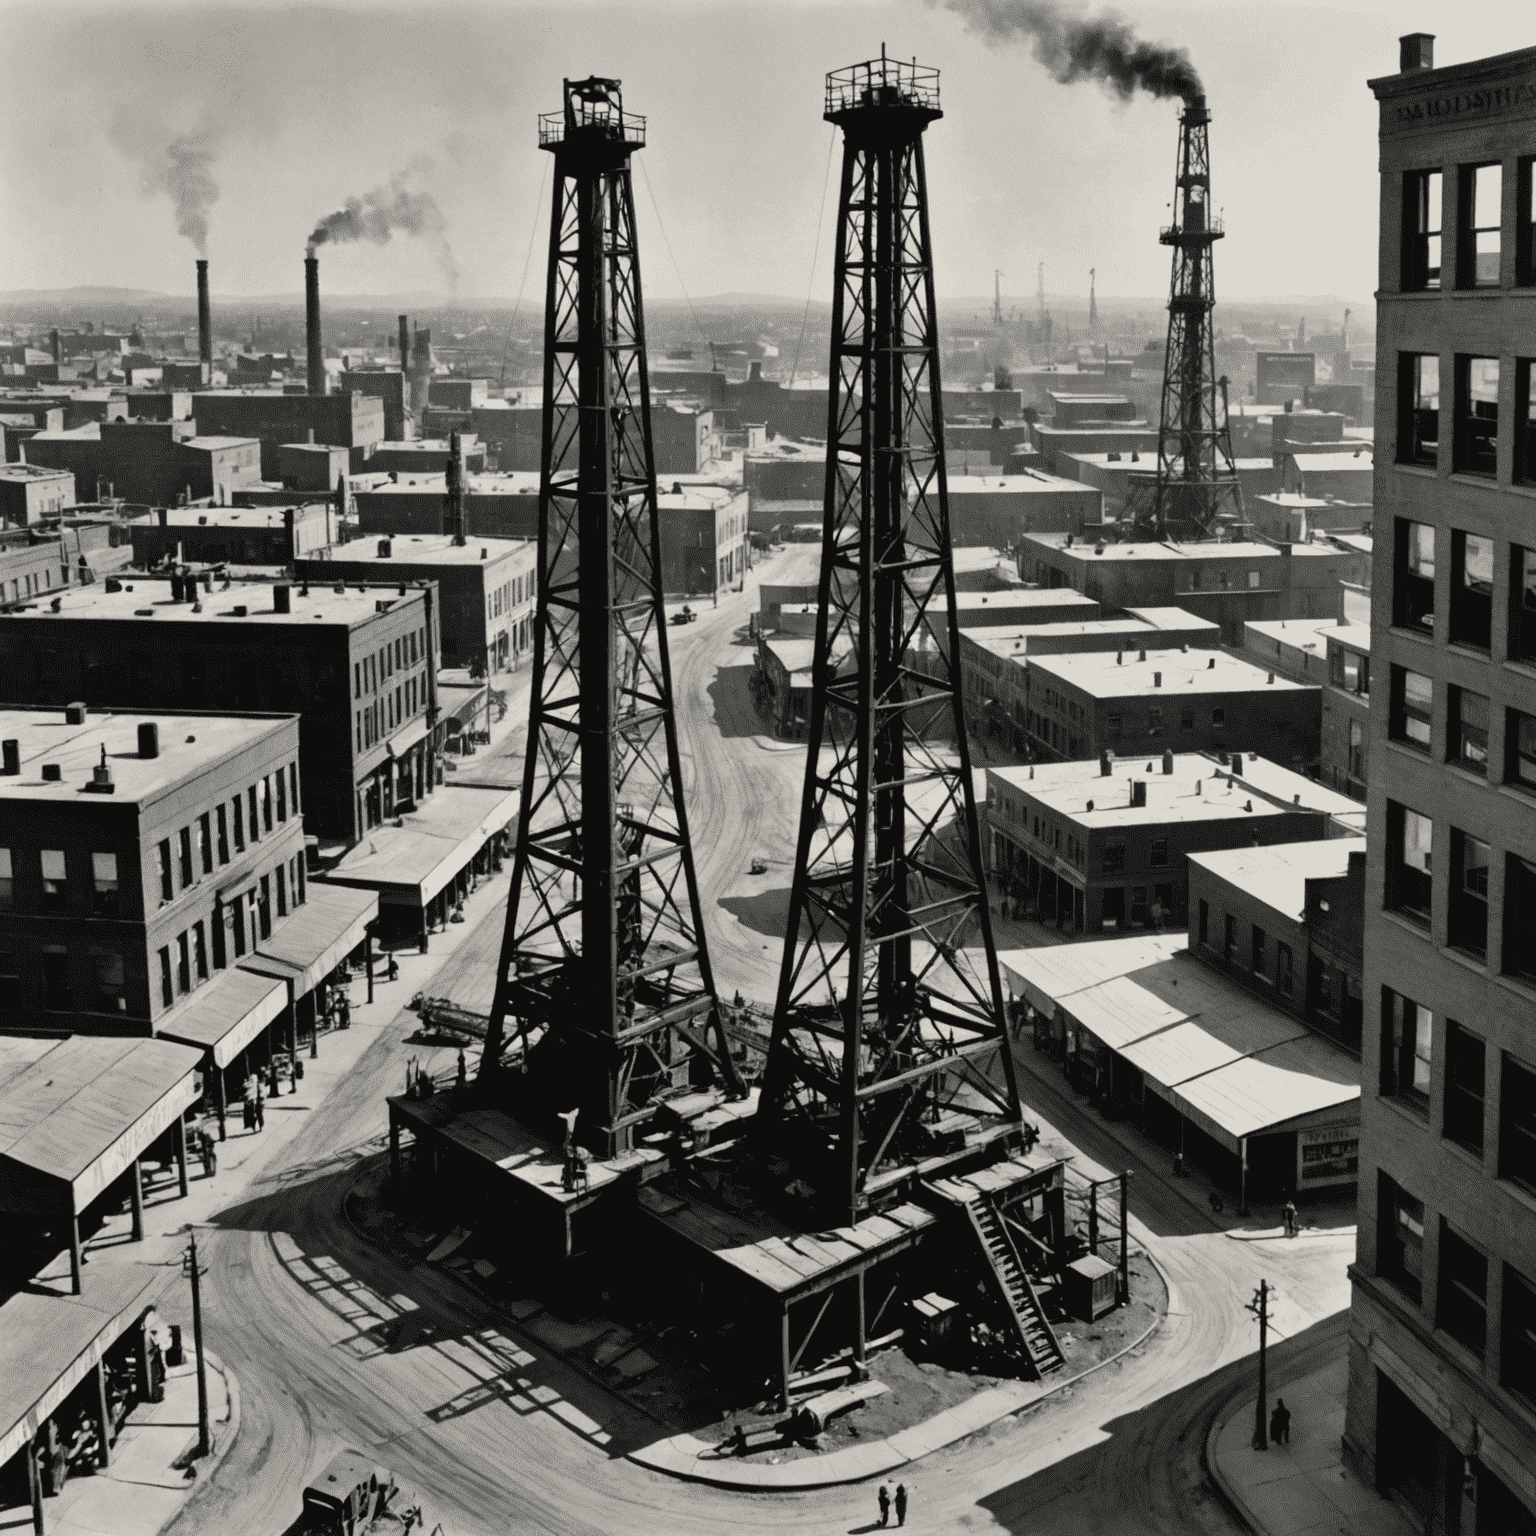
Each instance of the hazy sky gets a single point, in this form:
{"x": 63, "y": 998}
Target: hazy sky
{"x": 302, "y": 106}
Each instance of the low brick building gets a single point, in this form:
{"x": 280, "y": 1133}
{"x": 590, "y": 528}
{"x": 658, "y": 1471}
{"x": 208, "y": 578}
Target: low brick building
{"x": 158, "y": 463}
{"x": 30, "y": 492}
{"x": 351, "y": 421}
{"x": 1346, "y": 733}
{"x": 233, "y": 535}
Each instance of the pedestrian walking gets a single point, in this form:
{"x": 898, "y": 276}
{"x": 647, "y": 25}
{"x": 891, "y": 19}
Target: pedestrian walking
{"x": 1292, "y": 1225}
{"x": 901, "y": 1503}
{"x": 248, "y": 1114}
{"x": 883, "y": 1498}
{"x": 1280, "y": 1423}
{"x": 392, "y": 970}
{"x": 261, "y": 1111}
{"x": 463, "y": 1077}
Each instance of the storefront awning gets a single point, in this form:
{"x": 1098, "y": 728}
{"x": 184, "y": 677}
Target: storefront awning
{"x": 1047, "y": 976}
{"x": 305, "y": 950}
{"x": 74, "y": 1116}
{"x": 411, "y": 863}
{"x": 226, "y": 1015}
{"x": 49, "y": 1343}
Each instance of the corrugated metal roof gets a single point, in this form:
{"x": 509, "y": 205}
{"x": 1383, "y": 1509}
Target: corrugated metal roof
{"x": 81, "y": 1112}
{"x": 332, "y": 922}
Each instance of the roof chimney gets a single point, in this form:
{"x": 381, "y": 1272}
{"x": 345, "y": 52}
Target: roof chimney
{"x": 1138, "y": 792}
{"x": 149, "y": 739}
{"x": 10, "y": 751}
{"x": 204, "y": 315}
{"x": 1416, "y": 50}
{"x": 1105, "y": 766}
{"x": 1237, "y": 765}
{"x": 312, "y": 347}
{"x": 282, "y": 595}
{"x": 74, "y": 714}
{"x": 101, "y": 776}
{"x": 1168, "y": 760}
{"x": 384, "y": 549}
{"x": 1157, "y": 679}
{"x": 55, "y": 345}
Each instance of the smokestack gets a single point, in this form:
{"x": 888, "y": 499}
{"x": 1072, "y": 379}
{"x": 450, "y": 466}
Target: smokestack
{"x": 204, "y": 317}
{"x": 55, "y": 344}
{"x": 457, "y": 512}
{"x": 312, "y": 325}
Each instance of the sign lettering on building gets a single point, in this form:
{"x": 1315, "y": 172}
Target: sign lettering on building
{"x": 1482, "y": 101}
{"x": 1329, "y": 1154}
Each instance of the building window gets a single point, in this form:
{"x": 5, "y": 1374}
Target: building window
{"x": 1522, "y": 603}
{"x": 1154, "y": 722}
{"x": 1229, "y": 940}
{"x": 1464, "y": 1061}
{"x": 1357, "y": 749}
{"x": 255, "y": 821}
{"x": 1285, "y": 966}
{"x": 1218, "y": 719}
{"x": 1113, "y": 725}
{"x": 238, "y": 806}
{"x": 1471, "y": 590}
{"x": 282, "y": 891}
{"x": 1519, "y": 917}
{"x": 1479, "y": 217}
{"x": 1462, "y": 1297}
{"x": 1349, "y": 670}
{"x": 296, "y": 878}
{"x": 1407, "y": 1047}
{"x": 167, "y": 995}
{"x": 264, "y": 908}
{"x": 1411, "y": 717}
{"x": 1157, "y": 853}
{"x": 58, "y": 995}
{"x": 1517, "y": 1367}
{"x": 266, "y": 804}
{"x": 1525, "y": 228}
{"x": 1421, "y": 230}
{"x": 1525, "y": 424}
{"x": 1477, "y": 415}
{"x": 1517, "y": 1124}
{"x": 1418, "y": 397}
{"x": 1205, "y": 922}
{"x": 1256, "y": 960}
{"x": 184, "y": 856}
{"x": 7, "y": 882}
{"x": 104, "y": 886}
{"x": 1469, "y": 894}
{"x": 200, "y": 951}
{"x": 1186, "y": 717}
{"x": 282, "y": 795}
{"x": 183, "y": 963}
{"x": 293, "y": 787}
{"x": 1410, "y": 851}
{"x": 1114, "y": 858}
{"x": 1400, "y": 1244}
{"x": 1520, "y": 748}
{"x": 1468, "y": 730}
{"x": 107, "y": 978}
{"x": 1413, "y": 586}
{"x": 55, "y": 887}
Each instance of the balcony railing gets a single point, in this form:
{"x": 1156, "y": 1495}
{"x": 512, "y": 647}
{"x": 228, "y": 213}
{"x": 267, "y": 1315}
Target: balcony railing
{"x": 882, "y": 82}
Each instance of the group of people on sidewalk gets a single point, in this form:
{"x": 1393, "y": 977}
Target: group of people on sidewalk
{"x": 887, "y": 1501}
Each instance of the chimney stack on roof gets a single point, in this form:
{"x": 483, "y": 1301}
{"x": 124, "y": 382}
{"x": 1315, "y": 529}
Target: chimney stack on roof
{"x": 1415, "y": 50}
{"x": 204, "y": 314}
{"x": 312, "y": 346}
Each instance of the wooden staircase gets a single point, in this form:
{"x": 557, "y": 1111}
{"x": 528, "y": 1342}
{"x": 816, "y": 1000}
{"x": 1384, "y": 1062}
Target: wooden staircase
{"x": 1008, "y": 1275}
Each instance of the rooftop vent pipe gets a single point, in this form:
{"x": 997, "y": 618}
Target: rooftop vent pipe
{"x": 1105, "y": 766}
{"x": 52, "y": 773}
{"x": 149, "y": 739}
{"x": 1138, "y": 792}
{"x": 282, "y": 598}
{"x": 1416, "y": 51}
{"x": 1167, "y": 761}
{"x": 74, "y": 714}
{"x": 10, "y": 752}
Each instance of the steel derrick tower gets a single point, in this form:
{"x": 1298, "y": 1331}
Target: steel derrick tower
{"x": 604, "y": 1000}
{"x": 1196, "y": 480}
{"x": 888, "y": 1048}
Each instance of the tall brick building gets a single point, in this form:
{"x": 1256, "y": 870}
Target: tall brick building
{"x": 1442, "y": 1368}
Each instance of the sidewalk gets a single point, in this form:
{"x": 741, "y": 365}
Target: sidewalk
{"x": 1301, "y": 1488}
{"x": 148, "y": 1481}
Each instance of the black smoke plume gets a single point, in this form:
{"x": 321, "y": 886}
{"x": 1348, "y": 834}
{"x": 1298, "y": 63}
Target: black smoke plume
{"x": 394, "y": 208}
{"x": 1079, "y": 47}
{"x": 179, "y": 165}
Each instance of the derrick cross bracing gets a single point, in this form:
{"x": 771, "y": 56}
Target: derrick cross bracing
{"x": 888, "y": 1046}
{"x": 1195, "y": 485}
{"x": 604, "y": 1000}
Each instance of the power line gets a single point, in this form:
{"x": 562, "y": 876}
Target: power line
{"x": 666, "y": 240}
{"x": 821, "y": 217}
{"x": 533, "y": 233}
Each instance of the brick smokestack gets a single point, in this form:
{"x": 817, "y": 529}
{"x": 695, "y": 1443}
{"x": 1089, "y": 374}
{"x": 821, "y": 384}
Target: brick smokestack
{"x": 405, "y": 366}
{"x": 204, "y": 317}
{"x": 312, "y": 346}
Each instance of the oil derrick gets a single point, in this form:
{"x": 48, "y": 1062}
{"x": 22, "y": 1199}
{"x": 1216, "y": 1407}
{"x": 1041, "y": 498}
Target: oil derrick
{"x": 1196, "y": 483}
{"x": 604, "y": 1002}
{"x": 888, "y": 1050}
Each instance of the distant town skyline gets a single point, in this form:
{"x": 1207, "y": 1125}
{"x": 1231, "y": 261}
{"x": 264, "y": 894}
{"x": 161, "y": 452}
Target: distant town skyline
{"x": 292, "y": 112}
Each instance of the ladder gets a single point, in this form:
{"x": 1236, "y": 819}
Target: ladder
{"x": 1008, "y": 1275}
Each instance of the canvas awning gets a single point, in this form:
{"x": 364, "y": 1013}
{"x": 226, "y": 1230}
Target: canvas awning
{"x": 73, "y": 1117}
{"x": 226, "y": 1015}
{"x": 305, "y": 950}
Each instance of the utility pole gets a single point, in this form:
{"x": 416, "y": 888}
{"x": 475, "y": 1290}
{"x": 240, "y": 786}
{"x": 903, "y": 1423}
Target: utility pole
{"x": 1259, "y": 1306}
{"x": 1125, "y": 1236}
{"x": 190, "y": 1269}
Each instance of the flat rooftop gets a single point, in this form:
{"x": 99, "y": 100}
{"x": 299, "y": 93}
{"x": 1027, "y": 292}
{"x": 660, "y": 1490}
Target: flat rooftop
{"x": 1356, "y": 636}
{"x": 1171, "y": 674}
{"x": 1012, "y": 641}
{"x": 1176, "y": 618}
{"x": 1278, "y": 874}
{"x": 1026, "y": 483}
{"x": 1244, "y": 550}
{"x": 1025, "y": 598}
{"x": 145, "y": 597}
{"x": 1359, "y": 462}
{"x": 34, "y": 472}
{"x": 216, "y": 517}
{"x": 418, "y": 549}
{"x": 1198, "y": 789}
{"x": 189, "y": 745}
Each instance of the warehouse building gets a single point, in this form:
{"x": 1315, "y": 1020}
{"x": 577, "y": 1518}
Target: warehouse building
{"x": 30, "y": 492}
{"x": 357, "y": 665}
{"x": 353, "y": 421}
{"x": 158, "y": 463}
{"x": 233, "y": 535}
{"x": 995, "y": 511}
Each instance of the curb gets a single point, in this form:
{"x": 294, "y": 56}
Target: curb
{"x": 197, "y": 1490}
{"x": 1238, "y": 1235}
{"x": 672, "y": 1456}
{"x": 1234, "y": 1500}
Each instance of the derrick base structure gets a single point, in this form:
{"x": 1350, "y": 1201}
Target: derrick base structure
{"x": 1194, "y": 491}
